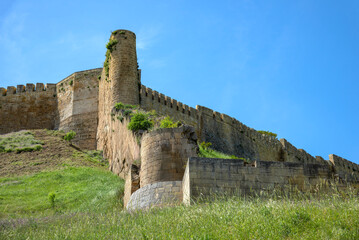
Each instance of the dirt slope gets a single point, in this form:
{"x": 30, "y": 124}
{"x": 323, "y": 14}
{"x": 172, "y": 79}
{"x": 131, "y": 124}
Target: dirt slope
{"x": 56, "y": 153}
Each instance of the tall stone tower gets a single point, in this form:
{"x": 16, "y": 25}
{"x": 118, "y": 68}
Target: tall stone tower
{"x": 123, "y": 68}
{"x": 120, "y": 80}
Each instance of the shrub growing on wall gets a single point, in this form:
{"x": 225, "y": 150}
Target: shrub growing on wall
{"x": 168, "y": 123}
{"x": 121, "y": 106}
{"x": 140, "y": 121}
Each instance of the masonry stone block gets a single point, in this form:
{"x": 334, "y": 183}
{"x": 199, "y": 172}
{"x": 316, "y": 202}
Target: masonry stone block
{"x": 40, "y": 87}
{"x": 20, "y": 88}
{"x": 30, "y": 87}
{"x": 2, "y": 91}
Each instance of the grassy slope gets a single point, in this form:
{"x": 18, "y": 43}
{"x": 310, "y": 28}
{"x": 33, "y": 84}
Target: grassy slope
{"x": 330, "y": 218}
{"x": 87, "y": 206}
{"x": 79, "y": 180}
{"x": 76, "y": 189}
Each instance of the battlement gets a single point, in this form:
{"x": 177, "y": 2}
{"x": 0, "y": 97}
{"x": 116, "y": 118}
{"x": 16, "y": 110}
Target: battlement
{"x": 29, "y": 88}
{"x": 81, "y": 73}
{"x": 343, "y": 164}
{"x": 237, "y": 125}
{"x": 163, "y": 104}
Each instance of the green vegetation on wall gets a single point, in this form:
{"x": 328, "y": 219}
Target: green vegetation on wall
{"x": 120, "y": 106}
{"x": 140, "y": 121}
{"x": 206, "y": 152}
{"x": 268, "y": 133}
{"x": 111, "y": 45}
{"x": 168, "y": 122}
{"x": 123, "y": 110}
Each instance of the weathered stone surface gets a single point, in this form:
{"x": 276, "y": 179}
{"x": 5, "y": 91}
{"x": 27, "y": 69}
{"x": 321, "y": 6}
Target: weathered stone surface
{"x": 344, "y": 169}
{"x": 27, "y": 110}
{"x": 155, "y": 195}
{"x": 78, "y": 106}
{"x": 164, "y": 153}
{"x": 208, "y": 176}
{"x": 132, "y": 183}
{"x": 121, "y": 85}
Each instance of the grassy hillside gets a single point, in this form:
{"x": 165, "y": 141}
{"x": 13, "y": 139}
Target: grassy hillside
{"x": 59, "y": 192}
{"x": 334, "y": 217}
{"x": 22, "y": 156}
{"x": 55, "y": 179}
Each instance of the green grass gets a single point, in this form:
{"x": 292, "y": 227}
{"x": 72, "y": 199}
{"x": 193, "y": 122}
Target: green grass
{"x": 22, "y": 141}
{"x": 207, "y": 152}
{"x": 76, "y": 189}
{"x": 332, "y": 217}
{"x": 94, "y": 156}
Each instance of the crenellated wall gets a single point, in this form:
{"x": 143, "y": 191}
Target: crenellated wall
{"x": 230, "y": 136}
{"x": 28, "y": 107}
{"x": 164, "y": 105}
{"x": 345, "y": 169}
{"x": 84, "y": 101}
{"x": 71, "y": 104}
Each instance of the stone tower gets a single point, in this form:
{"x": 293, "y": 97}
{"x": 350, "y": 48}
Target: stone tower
{"x": 123, "y": 68}
{"x": 119, "y": 82}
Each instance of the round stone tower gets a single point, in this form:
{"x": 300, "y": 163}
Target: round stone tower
{"x": 119, "y": 82}
{"x": 123, "y": 69}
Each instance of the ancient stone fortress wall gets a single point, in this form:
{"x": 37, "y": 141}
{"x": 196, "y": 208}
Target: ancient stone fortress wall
{"x": 230, "y": 136}
{"x": 122, "y": 148}
{"x": 164, "y": 154}
{"x": 78, "y": 106}
{"x": 164, "y": 105}
{"x": 209, "y": 177}
{"x": 345, "y": 169}
{"x": 28, "y": 107}
{"x": 156, "y": 195}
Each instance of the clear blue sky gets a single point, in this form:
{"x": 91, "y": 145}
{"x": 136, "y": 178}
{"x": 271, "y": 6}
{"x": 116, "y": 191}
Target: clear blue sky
{"x": 290, "y": 67}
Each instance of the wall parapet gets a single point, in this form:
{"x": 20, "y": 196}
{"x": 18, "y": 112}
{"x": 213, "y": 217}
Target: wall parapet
{"x": 29, "y": 88}
{"x": 84, "y": 72}
{"x": 346, "y": 170}
{"x": 164, "y": 104}
{"x": 241, "y": 127}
